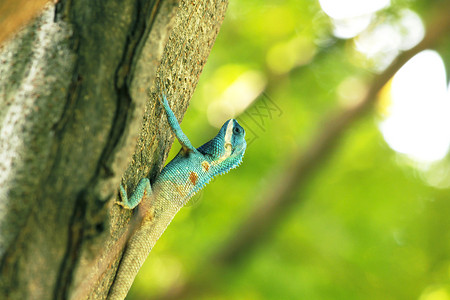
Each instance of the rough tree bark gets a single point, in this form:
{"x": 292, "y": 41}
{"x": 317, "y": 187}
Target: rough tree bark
{"x": 77, "y": 98}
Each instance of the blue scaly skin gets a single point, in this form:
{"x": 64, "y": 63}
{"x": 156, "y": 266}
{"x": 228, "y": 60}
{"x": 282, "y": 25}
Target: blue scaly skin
{"x": 185, "y": 175}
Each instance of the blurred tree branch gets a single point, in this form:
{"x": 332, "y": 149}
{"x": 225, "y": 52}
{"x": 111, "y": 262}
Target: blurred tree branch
{"x": 283, "y": 194}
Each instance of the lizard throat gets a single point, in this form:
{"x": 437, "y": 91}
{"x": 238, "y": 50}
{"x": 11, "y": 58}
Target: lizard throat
{"x": 227, "y": 154}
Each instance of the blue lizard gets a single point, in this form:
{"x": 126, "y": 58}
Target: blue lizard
{"x": 185, "y": 175}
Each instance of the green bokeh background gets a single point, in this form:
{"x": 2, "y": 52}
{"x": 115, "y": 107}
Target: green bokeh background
{"x": 366, "y": 225}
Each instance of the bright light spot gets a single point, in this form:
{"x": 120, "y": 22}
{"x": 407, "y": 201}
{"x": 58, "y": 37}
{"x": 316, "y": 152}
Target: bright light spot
{"x": 382, "y": 39}
{"x": 282, "y": 57}
{"x": 351, "y": 91}
{"x": 343, "y": 9}
{"x": 411, "y": 27}
{"x": 418, "y": 124}
{"x": 350, "y": 27}
{"x": 437, "y": 174}
{"x": 350, "y": 17}
{"x": 383, "y": 42}
{"x": 237, "y": 97}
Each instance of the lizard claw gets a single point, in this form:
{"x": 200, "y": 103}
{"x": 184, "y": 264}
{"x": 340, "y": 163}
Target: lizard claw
{"x": 123, "y": 205}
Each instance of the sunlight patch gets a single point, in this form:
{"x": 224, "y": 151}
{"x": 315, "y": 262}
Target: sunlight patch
{"x": 417, "y": 122}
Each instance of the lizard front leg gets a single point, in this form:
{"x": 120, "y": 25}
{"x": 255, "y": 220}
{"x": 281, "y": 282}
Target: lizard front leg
{"x": 143, "y": 189}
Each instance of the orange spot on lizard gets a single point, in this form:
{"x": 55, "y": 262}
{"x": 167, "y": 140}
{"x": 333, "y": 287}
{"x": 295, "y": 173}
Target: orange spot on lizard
{"x": 205, "y": 166}
{"x": 193, "y": 177}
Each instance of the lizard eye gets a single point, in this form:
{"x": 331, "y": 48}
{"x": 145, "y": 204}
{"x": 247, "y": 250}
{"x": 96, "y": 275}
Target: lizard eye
{"x": 237, "y": 130}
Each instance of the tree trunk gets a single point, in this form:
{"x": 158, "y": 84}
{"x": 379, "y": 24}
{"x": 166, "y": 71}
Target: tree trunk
{"x": 77, "y": 98}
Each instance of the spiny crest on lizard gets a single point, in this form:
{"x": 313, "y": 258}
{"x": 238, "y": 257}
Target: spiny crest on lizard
{"x": 193, "y": 168}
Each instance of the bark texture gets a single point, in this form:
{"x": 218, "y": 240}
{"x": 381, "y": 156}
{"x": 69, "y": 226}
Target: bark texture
{"x": 77, "y": 99}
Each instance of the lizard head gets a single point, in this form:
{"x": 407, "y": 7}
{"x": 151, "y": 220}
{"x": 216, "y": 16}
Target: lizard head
{"x": 226, "y": 150}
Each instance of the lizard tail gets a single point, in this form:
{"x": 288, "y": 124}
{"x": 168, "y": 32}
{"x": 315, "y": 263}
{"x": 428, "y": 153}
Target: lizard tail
{"x": 138, "y": 248}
